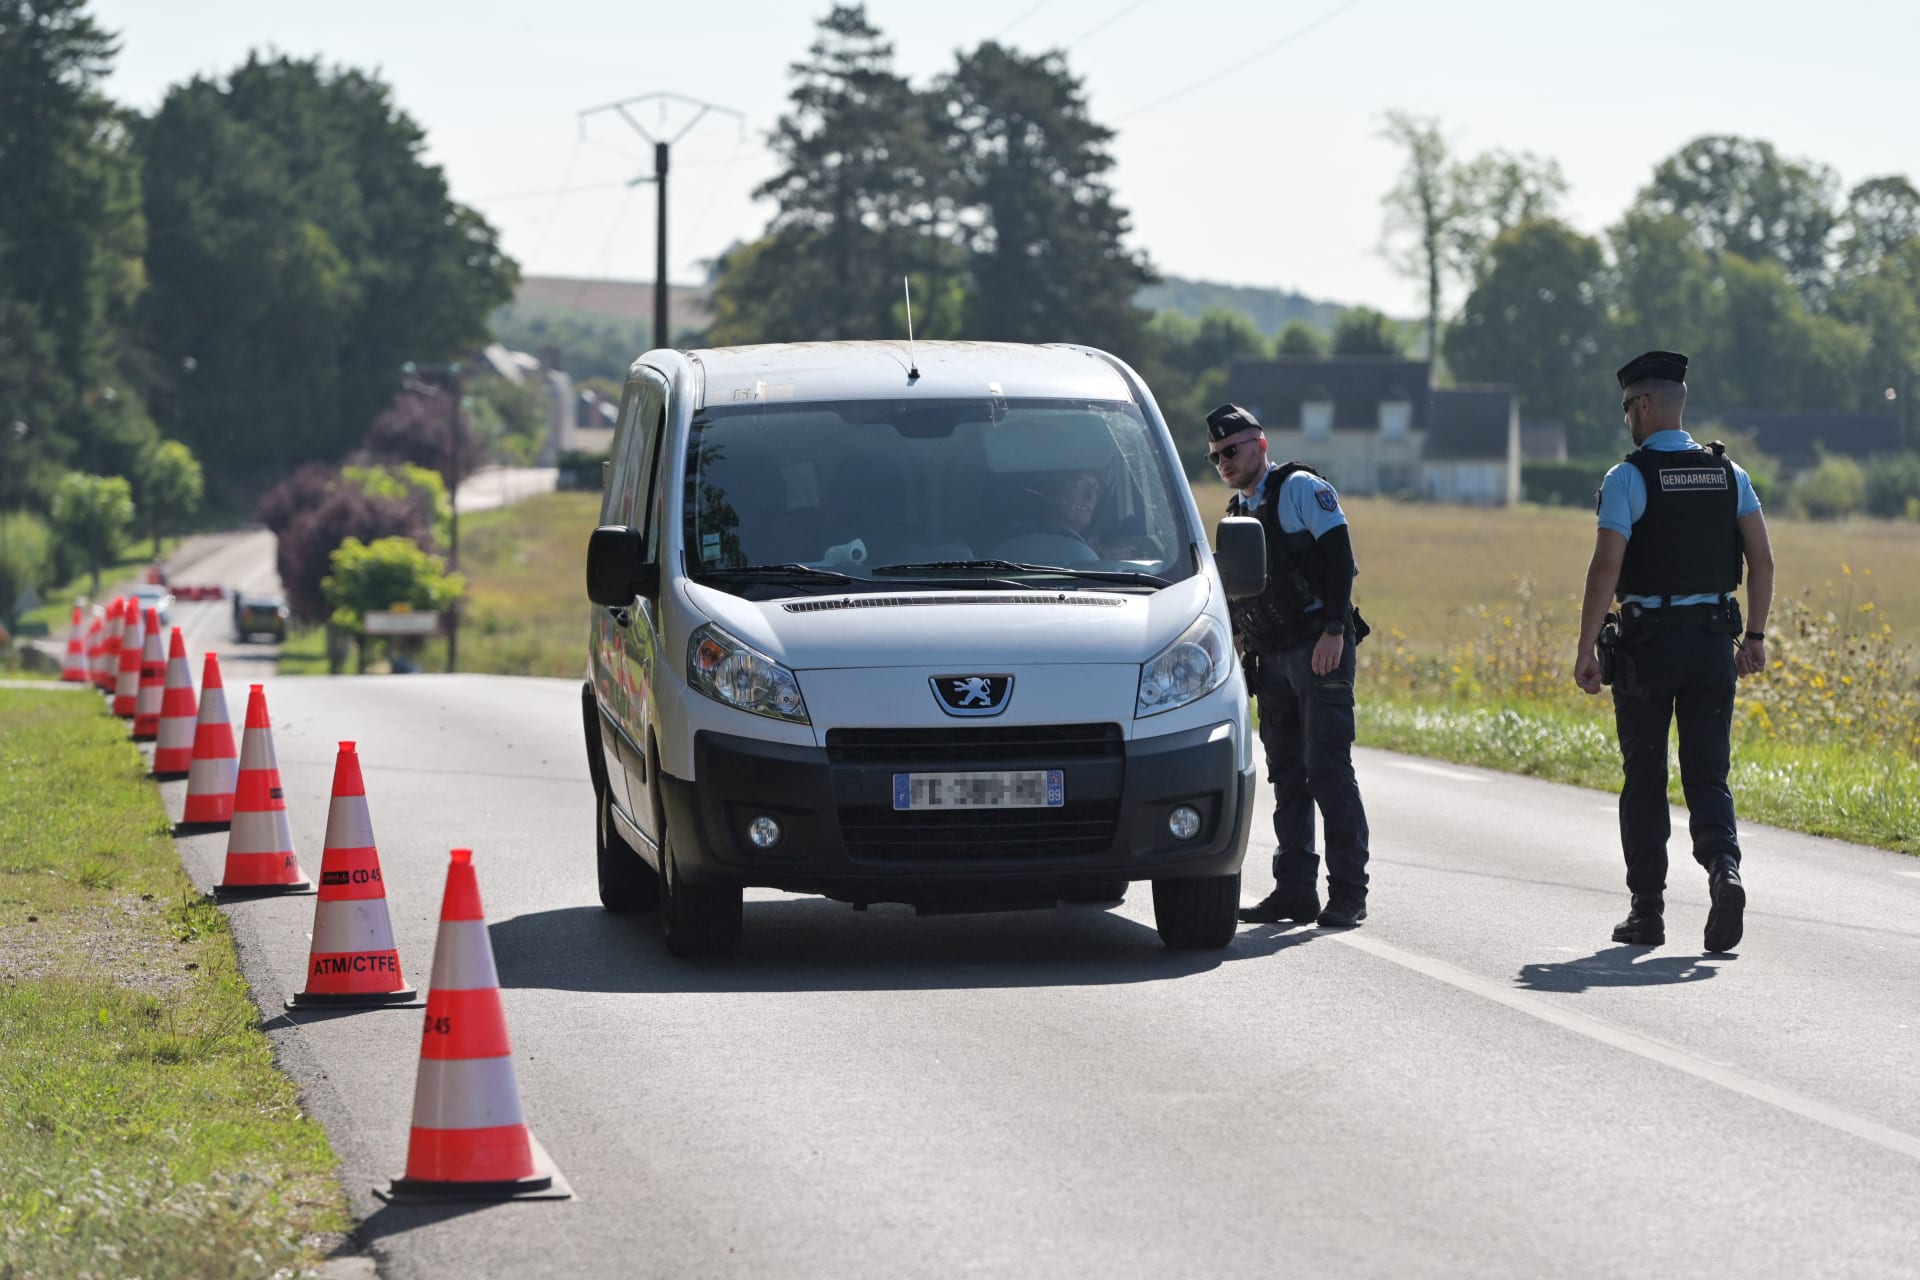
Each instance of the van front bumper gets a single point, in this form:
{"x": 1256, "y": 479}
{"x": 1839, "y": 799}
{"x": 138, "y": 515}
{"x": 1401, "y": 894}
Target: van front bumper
{"x": 842, "y": 837}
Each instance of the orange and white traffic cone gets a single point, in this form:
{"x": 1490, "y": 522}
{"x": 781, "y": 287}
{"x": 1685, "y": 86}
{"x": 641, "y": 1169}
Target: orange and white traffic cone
{"x": 173, "y": 749}
{"x": 153, "y": 682}
{"x": 260, "y": 856}
{"x": 96, "y": 639}
{"x": 215, "y": 768}
{"x": 469, "y": 1140}
{"x": 133, "y": 643}
{"x": 108, "y": 672}
{"x": 73, "y": 668}
{"x": 353, "y": 961}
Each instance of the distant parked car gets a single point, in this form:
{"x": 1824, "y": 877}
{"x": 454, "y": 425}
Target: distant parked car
{"x": 157, "y": 598}
{"x": 256, "y": 615}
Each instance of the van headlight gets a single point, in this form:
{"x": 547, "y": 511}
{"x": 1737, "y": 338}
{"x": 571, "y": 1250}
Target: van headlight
{"x": 1191, "y": 667}
{"x": 726, "y": 670}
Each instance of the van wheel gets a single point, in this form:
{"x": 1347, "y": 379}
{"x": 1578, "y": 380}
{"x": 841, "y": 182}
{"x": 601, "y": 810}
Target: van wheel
{"x": 626, "y": 882}
{"x": 700, "y": 920}
{"x": 1197, "y": 914}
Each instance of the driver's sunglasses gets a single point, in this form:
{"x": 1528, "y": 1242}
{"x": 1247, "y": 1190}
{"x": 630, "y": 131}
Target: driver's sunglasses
{"x": 1226, "y": 454}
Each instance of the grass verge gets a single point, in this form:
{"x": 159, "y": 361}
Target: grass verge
{"x": 144, "y": 1129}
{"x": 1824, "y": 789}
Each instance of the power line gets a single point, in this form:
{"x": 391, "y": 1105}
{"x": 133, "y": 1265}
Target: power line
{"x": 553, "y": 191}
{"x": 1022, "y": 18}
{"x": 1102, "y": 26}
{"x": 1251, "y": 58}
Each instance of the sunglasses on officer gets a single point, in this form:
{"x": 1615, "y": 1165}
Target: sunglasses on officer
{"x": 1226, "y": 454}
{"x": 1626, "y": 406}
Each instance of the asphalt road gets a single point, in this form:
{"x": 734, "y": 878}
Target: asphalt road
{"x": 1475, "y": 1083}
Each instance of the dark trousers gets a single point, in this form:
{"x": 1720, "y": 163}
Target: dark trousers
{"x": 1675, "y": 670}
{"x": 1306, "y": 726}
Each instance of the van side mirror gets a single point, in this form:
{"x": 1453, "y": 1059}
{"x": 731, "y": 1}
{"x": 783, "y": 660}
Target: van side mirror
{"x": 616, "y": 571}
{"x": 1240, "y": 552}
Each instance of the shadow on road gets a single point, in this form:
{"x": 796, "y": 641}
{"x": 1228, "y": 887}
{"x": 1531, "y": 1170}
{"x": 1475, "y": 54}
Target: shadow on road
{"x": 1624, "y": 966}
{"x": 813, "y": 944}
{"x": 394, "y": 1219}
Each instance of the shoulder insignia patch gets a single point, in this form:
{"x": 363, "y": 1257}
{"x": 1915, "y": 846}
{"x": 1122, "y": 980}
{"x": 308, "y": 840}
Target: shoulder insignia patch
{"x": 1327, "y": 498}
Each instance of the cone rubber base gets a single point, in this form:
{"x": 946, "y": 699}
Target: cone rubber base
{"x": 544, "y": 1184}
{"x": 200, "y": 828}
{"x": 404, "y": 998}
{"x": 171, "y": 775}
{"x": 230, "y": 892}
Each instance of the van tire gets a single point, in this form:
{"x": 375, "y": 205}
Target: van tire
{"x": 697, "y": 920}
{"x": 626, "y": 882}
{"x": 1197, "y": 914}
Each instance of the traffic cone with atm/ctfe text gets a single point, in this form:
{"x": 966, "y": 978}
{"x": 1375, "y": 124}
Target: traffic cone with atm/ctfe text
{"x": 260, "y": 857}
{"x": 153, "y": 682}
{"x": 73, "y": 668}
{"x": 215, "y": 766}
{"x": 133, "y": 643}
{"x": 173, "y": 748}
{"x": 469, "y": 1140}
{"x": 353, "y": 961}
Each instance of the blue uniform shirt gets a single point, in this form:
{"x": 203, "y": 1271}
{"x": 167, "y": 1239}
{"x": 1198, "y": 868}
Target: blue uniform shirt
{"x": 1306, "y": 502}
{"x": 1623, "y": 500}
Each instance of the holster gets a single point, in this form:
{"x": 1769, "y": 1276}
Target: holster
{"x": 1608, "y": 648}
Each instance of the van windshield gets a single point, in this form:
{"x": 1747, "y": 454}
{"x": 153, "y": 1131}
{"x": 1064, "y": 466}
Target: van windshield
{"x": 881, "y": 493}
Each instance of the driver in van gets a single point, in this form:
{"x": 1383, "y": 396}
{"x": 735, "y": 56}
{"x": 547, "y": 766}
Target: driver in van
{"x": 1060, "y": 528}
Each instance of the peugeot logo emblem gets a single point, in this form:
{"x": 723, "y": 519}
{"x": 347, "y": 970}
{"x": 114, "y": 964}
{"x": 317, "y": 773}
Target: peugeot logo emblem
{"x": 972, "y": 695}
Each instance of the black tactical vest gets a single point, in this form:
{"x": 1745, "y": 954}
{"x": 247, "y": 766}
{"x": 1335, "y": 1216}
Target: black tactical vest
{"x": 1277, "y": 618}
{"x": 1687, "y": 542}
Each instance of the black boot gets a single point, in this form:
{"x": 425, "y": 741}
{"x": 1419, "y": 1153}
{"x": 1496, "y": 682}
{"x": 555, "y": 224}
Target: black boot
{"x": 1343, "y": 914}
{"x": 1284, "y": 904}
{"x": 1645, "y": 925}
{"x": 1724, "y": 919}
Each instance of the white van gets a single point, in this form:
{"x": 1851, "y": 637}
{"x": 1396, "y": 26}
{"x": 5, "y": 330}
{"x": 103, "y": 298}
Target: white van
{"x": 932, "y": 624}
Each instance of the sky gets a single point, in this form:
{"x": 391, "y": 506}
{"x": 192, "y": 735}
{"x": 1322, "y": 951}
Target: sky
{"x": 1247, "y": 147}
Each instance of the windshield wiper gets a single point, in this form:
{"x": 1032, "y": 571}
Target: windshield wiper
{"x": 1094, "y": 575}
{"x": 806, "y": 571}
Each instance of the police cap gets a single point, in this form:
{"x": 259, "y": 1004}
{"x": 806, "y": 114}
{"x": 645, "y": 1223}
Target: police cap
{"x": 1660, "y": 366}
{"x": 1230, "y": 420}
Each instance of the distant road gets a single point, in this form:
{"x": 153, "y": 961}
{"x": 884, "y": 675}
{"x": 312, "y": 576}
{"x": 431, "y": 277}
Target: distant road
{"x": 492, "y": 487}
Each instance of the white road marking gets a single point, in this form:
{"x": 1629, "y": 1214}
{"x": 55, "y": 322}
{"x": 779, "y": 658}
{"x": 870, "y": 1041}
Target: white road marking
{"x": 1653, "y": 1050}
{"x": 1452, "y": 774}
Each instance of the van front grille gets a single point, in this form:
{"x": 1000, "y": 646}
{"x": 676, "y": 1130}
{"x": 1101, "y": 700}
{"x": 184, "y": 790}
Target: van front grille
{"x": 968, "y": 746}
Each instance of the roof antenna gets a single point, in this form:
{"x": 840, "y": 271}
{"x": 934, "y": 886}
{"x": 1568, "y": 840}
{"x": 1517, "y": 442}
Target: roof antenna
{"x": 913, "y": 364}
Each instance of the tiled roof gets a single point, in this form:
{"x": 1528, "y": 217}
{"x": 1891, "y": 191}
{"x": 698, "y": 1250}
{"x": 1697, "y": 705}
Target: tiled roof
{"x": 1791, "y": 435}
{"x": 1275, "y": 388}
{"x": 1467, "y": 423}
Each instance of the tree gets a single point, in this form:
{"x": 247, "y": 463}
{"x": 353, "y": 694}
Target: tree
{"x": 1423, "y": 210}
{"x": 1882, "y": 215}
{"x": 1044, "y": 236}
{"x": 1666, "y": 293}
{"x": 856, "y": 196}
{"x": 1537, "y": 319}
{"x": 1835, "y": 487}
{"x": 1741, "y": 196}
{"x": 71, "y": 237}
{"x": 1496, "y": 192}
{"x": 304, "y": 555}
{"x": 90, "y": 516}
{"x": 26, "y": 557}
{"x": 310, "y": 251}
{"x": 418, "y": 427}
{"x": 1771, "y": 351}
{"x": 387, "y": 573}
{"x": 170, "y": 485}
{"x": 1362, "y": 331}
{"x": 1300, "y": 339}
{"x": 1893, "y": 485}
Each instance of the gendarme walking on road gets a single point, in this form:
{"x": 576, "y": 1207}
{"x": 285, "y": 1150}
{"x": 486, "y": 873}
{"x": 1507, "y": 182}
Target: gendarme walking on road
{"x": 1677, "y": 519}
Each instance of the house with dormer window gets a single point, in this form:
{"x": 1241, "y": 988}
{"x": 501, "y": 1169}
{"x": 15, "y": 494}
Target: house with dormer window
{"x": 1377, "y": 425}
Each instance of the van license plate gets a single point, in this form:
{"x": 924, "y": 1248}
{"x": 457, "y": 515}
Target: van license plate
{"x": 999, "y": 789}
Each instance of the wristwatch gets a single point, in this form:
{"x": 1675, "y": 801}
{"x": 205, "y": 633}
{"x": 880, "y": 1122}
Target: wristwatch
{"x": 1756, "y": 635}
{"x": 1334, "y": 628}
